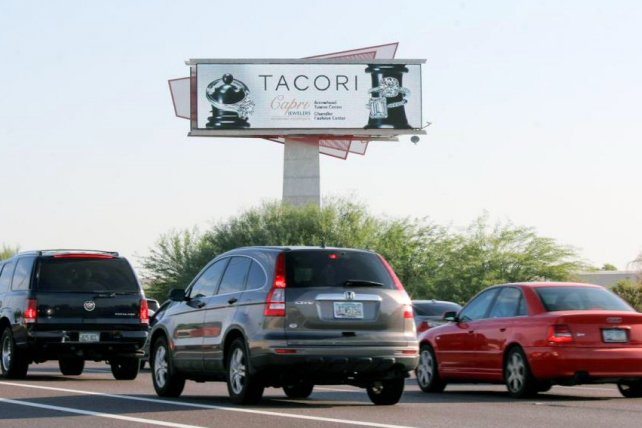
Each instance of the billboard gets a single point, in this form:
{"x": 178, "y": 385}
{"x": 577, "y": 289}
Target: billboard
{"x": 306, "y": 97}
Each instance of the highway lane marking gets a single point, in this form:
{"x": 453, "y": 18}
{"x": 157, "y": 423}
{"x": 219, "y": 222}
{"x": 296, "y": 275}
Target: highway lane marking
{"x": 207, "y": 406}
{"x": 99, "y": 414}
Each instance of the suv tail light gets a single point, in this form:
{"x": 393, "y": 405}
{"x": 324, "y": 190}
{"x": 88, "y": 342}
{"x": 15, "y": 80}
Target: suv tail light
{"x": 143, "y": 313}
{"x": 560, "y": 334}
{"x": 393, "y": 275}
{"x": 407, "y": 312}
{"x": 423, "y": 326}
{"x": 275, "y": 301}
{"x": 31, "y": 311}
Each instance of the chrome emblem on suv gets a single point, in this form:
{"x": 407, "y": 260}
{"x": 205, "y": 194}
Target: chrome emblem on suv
{"x": 614, "y": 320}
{"x": 350, "y": 295}
{"x": 89, "y": 305}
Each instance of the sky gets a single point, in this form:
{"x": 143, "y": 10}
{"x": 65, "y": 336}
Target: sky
{"x": 535, "y": 110}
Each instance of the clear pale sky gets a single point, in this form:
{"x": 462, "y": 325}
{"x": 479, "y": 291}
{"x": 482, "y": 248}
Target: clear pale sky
{"x": 535, "y": 109}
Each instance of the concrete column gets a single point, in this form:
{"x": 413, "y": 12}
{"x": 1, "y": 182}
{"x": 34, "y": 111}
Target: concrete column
{"x": 301, "y": 175}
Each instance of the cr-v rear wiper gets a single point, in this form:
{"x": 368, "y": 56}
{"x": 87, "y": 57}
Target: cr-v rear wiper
{"x": 362, "y": 283}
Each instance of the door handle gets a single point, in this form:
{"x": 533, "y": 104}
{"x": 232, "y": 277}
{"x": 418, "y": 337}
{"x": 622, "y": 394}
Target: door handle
{"x": 232, "y": 300}
{"x": 200, "y": 304}
{"x": 471, "y": 331}
{"x": 503, "y": 329}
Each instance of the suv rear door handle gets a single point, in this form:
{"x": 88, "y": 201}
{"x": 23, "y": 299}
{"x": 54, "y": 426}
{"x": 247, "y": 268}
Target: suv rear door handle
{"x": 232, "y": 300}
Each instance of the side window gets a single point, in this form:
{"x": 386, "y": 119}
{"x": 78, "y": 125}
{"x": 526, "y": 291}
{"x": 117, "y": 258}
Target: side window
{"x": 22, "y": 275}
{"x": 5, "y": 276}
{"x": 506, "y": 304}
{"x": 477, "y": 308}
{"x": 206, "y": 284}
{"x": 256, "y": 278}
{"x": 521, "y": 309}
{"x": 234, "y": 278}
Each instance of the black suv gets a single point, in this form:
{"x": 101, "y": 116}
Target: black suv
{"x": 289, "y": 318}
{"x": 71, "y": 306}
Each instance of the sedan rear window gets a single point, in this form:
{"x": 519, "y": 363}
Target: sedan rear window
{"x": 580, "y": 299}
{"x": 327, "y": 268}
{"x": 86, "y": 275}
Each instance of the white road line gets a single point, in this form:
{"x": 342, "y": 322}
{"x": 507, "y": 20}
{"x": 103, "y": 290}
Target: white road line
{"x": 206, "y": 406}
{"x": 593, "y": 389}
{"x": 101, "y": 415}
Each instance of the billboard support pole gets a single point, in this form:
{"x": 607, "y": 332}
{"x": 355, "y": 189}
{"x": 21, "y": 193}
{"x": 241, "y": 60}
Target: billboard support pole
{"x": 301, "y": 172}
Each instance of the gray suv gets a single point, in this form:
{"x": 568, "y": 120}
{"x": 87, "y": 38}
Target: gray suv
{"x": 291, "y": 318}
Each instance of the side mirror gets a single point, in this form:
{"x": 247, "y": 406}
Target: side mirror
{"x": 177, "y": 295}
{"x": 450, "y": 316}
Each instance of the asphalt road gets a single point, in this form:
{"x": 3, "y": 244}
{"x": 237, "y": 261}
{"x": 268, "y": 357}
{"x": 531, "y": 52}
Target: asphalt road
{"x": 46, "y": 398}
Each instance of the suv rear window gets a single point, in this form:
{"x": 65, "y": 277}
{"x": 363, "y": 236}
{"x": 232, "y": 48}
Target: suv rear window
{"x": 327, "y": 268}
{"x": 580, "y": 299}
{"x": 86, "y": 275}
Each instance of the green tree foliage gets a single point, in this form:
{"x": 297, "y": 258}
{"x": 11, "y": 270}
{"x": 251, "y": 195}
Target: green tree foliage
{"x": 430, "y": 260}
{"x": 631, "y": 292}
{"x": 608, "y": 266}
{"x": 7, "y": 251}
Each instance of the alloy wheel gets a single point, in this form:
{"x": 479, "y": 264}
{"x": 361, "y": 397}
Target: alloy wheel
{"x": 6, "y": 353}
{"x": 516, "y": 371}
{"x": 160, "y": 366}
{"x": 426, "y": 368}
{"x": 237, "y": 371}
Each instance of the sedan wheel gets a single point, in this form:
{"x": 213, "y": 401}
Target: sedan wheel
{"x": 517, "y": 374}
{"x": 427, "y": 374}
{"x": 630, "y": 389}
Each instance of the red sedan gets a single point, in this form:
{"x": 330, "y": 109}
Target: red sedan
{"x": 531, "y": 336}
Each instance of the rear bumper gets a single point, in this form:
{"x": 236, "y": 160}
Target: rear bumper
{"x": 53, "y": 344}
{"x": 570, "y": 364}
{"x": 337, "y": 365}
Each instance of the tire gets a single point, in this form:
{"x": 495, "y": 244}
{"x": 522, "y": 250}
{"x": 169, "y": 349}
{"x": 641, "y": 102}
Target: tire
{"x": 167, "y": 382}
{"x": 71, "y": 366}
{"x": 142, "y": 364}
{"x": 630, "y": 389}
{"x": 517, "y": 375}
{"x": 124, "y": 368}
{"x": 386, "y": 392}
{"x": 427, "y": 372}
{"x": 242, "y": 387}
{"x": 13, "y": 360}
{"x": 299, "y": 390}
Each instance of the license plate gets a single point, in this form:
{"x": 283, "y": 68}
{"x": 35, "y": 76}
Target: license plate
{"x": 350, "y": 310}
{"x": 614, "y": 336}
{"x": 89, "y": 337}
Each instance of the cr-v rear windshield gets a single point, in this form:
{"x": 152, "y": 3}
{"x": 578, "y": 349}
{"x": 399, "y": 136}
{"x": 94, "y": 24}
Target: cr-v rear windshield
{"x": 580, "y": 299}
{"x": 86, "y": 275}
{"x": 327, "y": 268}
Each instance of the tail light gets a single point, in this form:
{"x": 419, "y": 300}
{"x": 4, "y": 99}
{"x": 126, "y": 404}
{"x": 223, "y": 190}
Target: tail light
{"x": 31, "y": 311}
{"x": 143, "y": 313}
{"x": 423, "y": 326}
{"x": 560, "y": 334}
{"x": 392, "y": 273}
{"x": 275, "y": 301}
{"x": 407, "y": 312}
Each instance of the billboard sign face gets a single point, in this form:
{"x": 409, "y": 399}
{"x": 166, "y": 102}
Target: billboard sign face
{"x": 250, "y": 97}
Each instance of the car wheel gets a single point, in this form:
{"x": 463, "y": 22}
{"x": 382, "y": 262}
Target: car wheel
{"x": 427, "y": 373}
{"x": 71, "y": 366}
{"x": 242, "y": 387}
{"x": 167, "y": 382}
{"x": 630, "y": 389}
{"x": 298, "y": 390}
{"x": 13, "y": 361}
{"x": 124, "y": 368}
{"x": 519, "y": 380}
{"x": 386, "y": 392}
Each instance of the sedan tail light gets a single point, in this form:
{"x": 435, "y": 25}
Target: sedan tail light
{"x": 560, "y": 334}
{"x": 423, "y": 326}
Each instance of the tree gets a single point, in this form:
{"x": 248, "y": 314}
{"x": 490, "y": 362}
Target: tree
{"x": 629, "y": 291}
{"x": 608, "y": 266}
{"x": 7, "y": 251}
{"x": 430, "y": 260}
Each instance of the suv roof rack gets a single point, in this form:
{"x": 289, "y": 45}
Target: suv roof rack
{"x": 68, "y": 251}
